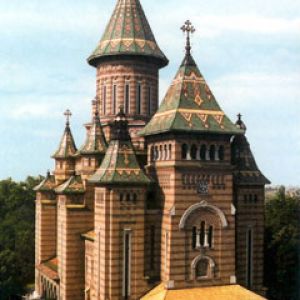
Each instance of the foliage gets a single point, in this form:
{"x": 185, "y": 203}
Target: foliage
{"x": 282, "y": 249}
{"x": 17, "y": 213}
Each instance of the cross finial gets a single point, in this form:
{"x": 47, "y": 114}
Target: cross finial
{"x": 189, "y": 29}
{"x": 68, "y": 115}
{"x": 239, "y": 116}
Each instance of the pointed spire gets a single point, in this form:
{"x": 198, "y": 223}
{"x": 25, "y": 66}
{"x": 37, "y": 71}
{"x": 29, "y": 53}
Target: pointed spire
{"x": 128, "y": 33}
{"x": 189, "y": 104}
{"x": 188, "y": 29}
{"x": 67, "y": 147}
{"x": 95, "y": 141}
{"x": 120, "y": 164}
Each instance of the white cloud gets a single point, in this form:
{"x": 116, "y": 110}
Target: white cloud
{"x": 251, "y": 89}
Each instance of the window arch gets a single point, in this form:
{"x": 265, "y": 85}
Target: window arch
{"x": 203, "y": 152}
{"x": 184, "y": 151}
{"x": 212, "y": 152}
{"x": 221, "y": 153}
{"x": 203, "y": 267}
{"x": 170, "y": 152}
{"x": 194, "y": 152}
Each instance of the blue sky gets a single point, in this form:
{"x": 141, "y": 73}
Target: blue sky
{"x": 248, "y": 51}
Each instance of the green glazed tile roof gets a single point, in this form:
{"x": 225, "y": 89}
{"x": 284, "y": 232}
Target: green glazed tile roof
{"x": 128, "y": 33}
{"x": 189, "y": 106}
{"x": 73, "y": 185}
{"x": 67, "y": 147}
{"x": 95, "y": 142}
{"x": 120, "y": 165}
{"x": 48, "y": 184}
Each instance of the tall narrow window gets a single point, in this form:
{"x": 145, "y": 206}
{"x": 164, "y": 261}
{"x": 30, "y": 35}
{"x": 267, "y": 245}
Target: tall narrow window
{"x": 212, "y": 152}
{"x": 152, "y": 247}
{"x": 114, "y": 99}
{"x": 149, "y": 101}
{"x": 194, "y": 237}
{"x": 104, "y": 100}
{"x": 221, "y": 152}
{"x": 210, "y": 236}
{"x": 202, "y": 233}
{"x": 194, "y": 152}
{"x": 184, "y": 150}
{"x": 126, "y": 263}
{"x": 249, "y": 257}
{"x": 127, "y": 98}
{"x": 138, "y": 98}
{"x": 203, "y": 152}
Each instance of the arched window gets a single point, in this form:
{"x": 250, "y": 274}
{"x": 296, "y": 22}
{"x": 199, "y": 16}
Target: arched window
{"x": 156, "y": 153}
{"x": 165, "y": 152}
{"x": 221, "y": 152}
{"x": 203, "y": 152}
{"x": 170, "y": 152}
{"x": 202, "y": 268}
{"x": 114, "y": 99}
{"x": 104, "y": 99}
{"x": 160, "y": 155}
{"x": 194, "y": 152}
{"x": 210, "y": 237}
{"x": 127, "y": 98}
{"x": 194, "y": 237}
{"x": 202, "y": 233}
{"x": 255, "y": 198}
{"x": 127, "y": 197}
{"x": 138, "y": 98}
{"x": 134, "y": 198}
{"x": 152, "y": 154}
{"x": 184, "y": 150}
{"x": 212, "y": 152}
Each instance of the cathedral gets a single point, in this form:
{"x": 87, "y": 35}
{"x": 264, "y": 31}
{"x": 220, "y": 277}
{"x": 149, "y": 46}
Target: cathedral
{"x": 161, "y": 201}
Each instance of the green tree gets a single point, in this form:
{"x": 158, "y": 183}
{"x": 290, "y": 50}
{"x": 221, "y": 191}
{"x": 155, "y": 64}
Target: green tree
{"x": 282, "y": 247}
{"x": 17, "y": 214}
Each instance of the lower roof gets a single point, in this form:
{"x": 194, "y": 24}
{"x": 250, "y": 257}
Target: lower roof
{"x": 225, "y": 292}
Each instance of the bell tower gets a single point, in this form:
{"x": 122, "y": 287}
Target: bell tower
{"x": 128, "y": 60}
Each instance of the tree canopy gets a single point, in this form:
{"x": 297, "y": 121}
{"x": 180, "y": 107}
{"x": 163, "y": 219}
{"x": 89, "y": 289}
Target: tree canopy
{"x": 282, "y": 247}
{"x": 17, "y": 214}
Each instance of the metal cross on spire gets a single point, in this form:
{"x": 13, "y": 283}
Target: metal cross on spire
{"x": 189, "y": 29}
{"x": 68, "y": 115}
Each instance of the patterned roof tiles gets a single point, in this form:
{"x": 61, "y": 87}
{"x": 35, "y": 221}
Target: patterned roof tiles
{"x": 190, "y": 106}
{"x": 128, "y": 33}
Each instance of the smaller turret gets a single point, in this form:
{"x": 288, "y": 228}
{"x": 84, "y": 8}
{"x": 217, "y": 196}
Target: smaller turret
{"x": 93, "y": 150}
{"x": 65, "y": 154}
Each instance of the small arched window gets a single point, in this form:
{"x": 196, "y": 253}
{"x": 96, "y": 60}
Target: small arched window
{"x": 255, "y": 198}
{"x": 194, "y": 237}
{"x": 165, "y": 152}
{"x": 212, "y": 152}
{"x": 134, "y": 198}
{"x": 184, "y": 151}
{"x": 170, "y": 152}
{"x": 160, "y": 155}
{"x": 202, "y": 233}
{"x": 194, "y": 152}
{"x": 127, "y": 197}
{"x": 152, "y": 157}
{"x": 121, "y": 197}
{"x": 210, "y": 237}
{"x": 221, "y": 152}
{"x": 202, "y": 268}
{"x": 156, "y": 153}
{"x": 203, "y": 152}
